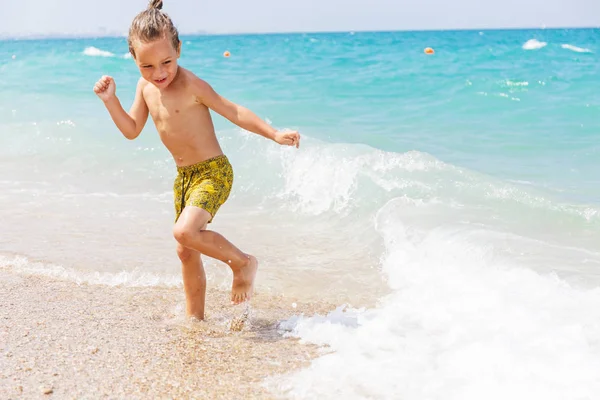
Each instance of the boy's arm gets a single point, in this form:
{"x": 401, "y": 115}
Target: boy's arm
{"x": 241, "y": 116}
{"x": 130, "y": 124}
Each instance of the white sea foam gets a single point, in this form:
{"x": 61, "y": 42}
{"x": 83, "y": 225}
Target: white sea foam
{"x": 67, "y": 122}
{"x": 575, "y": 48}
{"x": 516, "y": 83}
{"x": 95, "y": 52}
{"x": 135, "y": 278}
{"x": 461, "y": 323}
{"x": 534, "y": 44}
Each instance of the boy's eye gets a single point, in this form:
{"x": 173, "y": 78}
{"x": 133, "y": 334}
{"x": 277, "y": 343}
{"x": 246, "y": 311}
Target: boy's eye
{"x": 167, "y": 62}
{"x": 147, "y": 66}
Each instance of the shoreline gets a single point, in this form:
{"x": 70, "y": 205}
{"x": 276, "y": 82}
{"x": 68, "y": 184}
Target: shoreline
{"x": 67, "y": 340}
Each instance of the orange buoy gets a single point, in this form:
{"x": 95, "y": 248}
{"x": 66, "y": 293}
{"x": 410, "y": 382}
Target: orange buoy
{"x": 429, "y": 50}
{"x": 226, "y": 54}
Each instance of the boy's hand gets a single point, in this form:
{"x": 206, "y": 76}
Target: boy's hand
{"x": 105, "y": 88}
{"x": 290, "y": 138}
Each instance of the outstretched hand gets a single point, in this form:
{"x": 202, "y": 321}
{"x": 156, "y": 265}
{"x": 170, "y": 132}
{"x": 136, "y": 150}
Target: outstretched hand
{"x": 289, "y": 138}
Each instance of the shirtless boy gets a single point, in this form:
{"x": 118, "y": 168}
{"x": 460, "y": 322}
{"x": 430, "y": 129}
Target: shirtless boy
{"x": 179, "y": 103}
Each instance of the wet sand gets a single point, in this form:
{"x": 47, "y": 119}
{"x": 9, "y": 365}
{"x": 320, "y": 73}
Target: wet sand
{"x": 62, "y": 340}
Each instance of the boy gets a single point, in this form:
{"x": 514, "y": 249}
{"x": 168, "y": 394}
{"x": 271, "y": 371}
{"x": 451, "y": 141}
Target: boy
{"x": 179, "y": 103}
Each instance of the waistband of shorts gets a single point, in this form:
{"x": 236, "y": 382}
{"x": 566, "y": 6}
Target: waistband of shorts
{"x": 217, "y": 161}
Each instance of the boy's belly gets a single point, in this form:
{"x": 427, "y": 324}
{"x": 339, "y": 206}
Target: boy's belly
{"x": 193, "y": 150}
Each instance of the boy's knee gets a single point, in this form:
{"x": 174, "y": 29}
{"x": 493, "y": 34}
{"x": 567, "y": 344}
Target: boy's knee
{"x": 186, "y": 234}
{"x": 184, "y": 253}
{"x": 181, "y": 234}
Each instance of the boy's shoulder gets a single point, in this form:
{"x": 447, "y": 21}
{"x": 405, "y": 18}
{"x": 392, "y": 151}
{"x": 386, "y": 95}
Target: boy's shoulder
{"x": 142, "y": 84}
{"x": 191, "y": 78}
{"x": 193, "y": 82}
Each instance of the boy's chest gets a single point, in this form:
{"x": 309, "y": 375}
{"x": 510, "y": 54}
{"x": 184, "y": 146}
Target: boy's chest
{"x": 163, "y": 107}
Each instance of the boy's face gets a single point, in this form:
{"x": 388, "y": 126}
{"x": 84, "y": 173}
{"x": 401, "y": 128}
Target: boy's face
{"x": 157, "y": 61}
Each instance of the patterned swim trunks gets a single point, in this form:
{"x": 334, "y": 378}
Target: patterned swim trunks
{"x": 205, "y": 185}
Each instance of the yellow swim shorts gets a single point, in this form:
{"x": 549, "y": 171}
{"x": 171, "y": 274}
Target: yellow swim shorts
{"x": 205, "y": 185}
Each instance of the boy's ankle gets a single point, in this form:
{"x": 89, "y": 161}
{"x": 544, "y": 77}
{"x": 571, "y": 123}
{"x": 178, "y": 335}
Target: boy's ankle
{"x": 240, "y": 264}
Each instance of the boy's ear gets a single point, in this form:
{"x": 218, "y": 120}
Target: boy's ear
{"x": 179, "y": 49}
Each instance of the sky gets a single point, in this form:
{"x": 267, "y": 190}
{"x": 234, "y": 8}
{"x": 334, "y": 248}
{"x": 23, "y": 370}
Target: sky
{"x": 102, "y": 17}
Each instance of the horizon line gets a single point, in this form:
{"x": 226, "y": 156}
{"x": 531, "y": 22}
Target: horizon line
{"x": 100, "y": 35}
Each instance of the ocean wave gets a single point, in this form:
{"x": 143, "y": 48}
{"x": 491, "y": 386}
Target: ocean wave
{"x": 95, "y": 52}
{"x": 510, "y": 83}
{"x": 575, "y": 48}
{"x": 476, "y": 324}
{"x": 134, "y": 278}
{"x": 534, "y": 44}
{"x": 348, "y": 178}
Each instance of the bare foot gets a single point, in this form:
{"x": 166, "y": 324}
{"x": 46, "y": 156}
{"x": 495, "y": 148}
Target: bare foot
{"x": 243, "y": 281}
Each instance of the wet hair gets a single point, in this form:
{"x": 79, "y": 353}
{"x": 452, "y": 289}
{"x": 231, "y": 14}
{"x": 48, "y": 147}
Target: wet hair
{"x": 152, "y": 24}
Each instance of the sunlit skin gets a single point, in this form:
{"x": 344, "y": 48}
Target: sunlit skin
{"x": 179, "y": 103}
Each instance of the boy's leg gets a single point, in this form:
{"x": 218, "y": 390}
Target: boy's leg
{"x": 212, "y": 244}
{"x": 194, "y": 281}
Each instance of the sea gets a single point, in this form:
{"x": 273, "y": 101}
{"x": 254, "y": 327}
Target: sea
{"x": 447, "y": 205}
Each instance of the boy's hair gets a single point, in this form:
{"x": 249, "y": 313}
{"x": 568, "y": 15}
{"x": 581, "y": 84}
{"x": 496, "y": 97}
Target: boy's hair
{"x": 152, "y": 24}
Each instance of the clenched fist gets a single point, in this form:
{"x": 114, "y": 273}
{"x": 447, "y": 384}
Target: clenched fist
{"x": 105, "y": 88}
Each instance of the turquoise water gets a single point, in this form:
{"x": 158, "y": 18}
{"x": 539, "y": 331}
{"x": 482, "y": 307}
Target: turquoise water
{"x": 456, "y": 195}
{"x": 481, "y": 102}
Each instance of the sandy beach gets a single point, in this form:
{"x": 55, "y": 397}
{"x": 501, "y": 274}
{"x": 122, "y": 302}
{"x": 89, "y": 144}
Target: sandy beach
{"x": 62, "y": 340}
